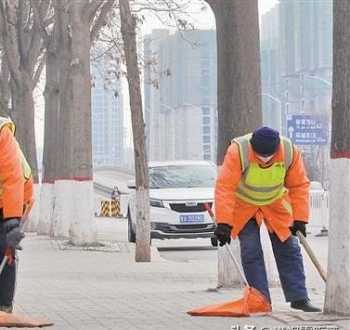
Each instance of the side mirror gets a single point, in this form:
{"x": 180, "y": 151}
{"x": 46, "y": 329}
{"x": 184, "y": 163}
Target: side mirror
{"x": 131, "y": 184}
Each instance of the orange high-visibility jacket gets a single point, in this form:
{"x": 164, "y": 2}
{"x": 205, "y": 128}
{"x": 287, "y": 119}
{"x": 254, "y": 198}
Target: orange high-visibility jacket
{"x": 232, "y": 210}
{"x": 16, "y": 191}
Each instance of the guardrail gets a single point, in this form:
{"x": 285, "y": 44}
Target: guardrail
{"x": 103, "y": 189}
{"x": 319, "y": 211}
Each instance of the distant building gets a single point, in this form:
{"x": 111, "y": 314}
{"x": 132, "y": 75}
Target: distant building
{"x": 296, "y": 58}
{"x": 107, "y": 112}
{"x": 180, "y": 95}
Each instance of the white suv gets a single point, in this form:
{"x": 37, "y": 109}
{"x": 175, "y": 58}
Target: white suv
{"x": 180, "y": 192}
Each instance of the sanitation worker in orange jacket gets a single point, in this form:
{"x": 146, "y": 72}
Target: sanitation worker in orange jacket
{"x": 16, "y": 197}
{"x": 263, "y": 179}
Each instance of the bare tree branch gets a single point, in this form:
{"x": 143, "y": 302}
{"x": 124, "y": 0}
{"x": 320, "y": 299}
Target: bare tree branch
{"x": 90, "y": 9}
{"x": 20, "y": 31}
{"x": 35, "y": 46}
{"x": 49, "y": 21}
{"x": 100, "y": 21}
{"x": 38, "y": 17}
{"x": 39, "y": 70}
{"x": 9, "y": 41}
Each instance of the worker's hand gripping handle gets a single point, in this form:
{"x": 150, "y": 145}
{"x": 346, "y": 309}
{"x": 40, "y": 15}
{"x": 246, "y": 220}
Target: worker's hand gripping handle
{"x": 9, "y": 256}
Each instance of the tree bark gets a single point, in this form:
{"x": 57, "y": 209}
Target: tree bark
{"x": 4, "y": 88}
{"x": 338, "y": 274}
{"x": 80, "y": 97}
{"x": 52, "y": 99}
{"x": 49, "y": 166}
{"x": 239, "y": 86}
{"x": 128, "y": 25}
{"x": 22, "y": 46}
{"x": 74, "y": 173}
{"x": 22, "y": 113}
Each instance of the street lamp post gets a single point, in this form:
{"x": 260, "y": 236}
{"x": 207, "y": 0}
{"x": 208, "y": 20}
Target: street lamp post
{"x": 278, "y": 115}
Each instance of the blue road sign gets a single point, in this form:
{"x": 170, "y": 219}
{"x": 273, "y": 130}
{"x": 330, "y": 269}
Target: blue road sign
{"x": 306, "y": 129}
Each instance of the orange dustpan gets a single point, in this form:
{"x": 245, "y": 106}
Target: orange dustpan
{"x": 21, "y": 321}
{"x": 253, "y": 301}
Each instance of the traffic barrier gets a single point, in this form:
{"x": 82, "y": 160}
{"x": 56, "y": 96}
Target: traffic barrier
{"x": 105, "y": 208}
{"x": 115, "y": 208}
{"x": 319, "y": 210}
{"x": 110, "y": 208}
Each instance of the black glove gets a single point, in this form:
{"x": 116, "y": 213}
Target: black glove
{"x": 14, "y": 235}
{"x": 223, "y": 233}
{"x": 298, "y": 226}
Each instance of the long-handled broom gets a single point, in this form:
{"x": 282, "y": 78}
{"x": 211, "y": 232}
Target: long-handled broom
{"x": 252, "y": 302}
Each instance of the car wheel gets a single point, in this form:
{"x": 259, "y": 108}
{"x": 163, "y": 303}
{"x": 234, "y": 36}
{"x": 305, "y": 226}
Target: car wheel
{"x": 214, "y": 241}
{"x": 131, "y": 232}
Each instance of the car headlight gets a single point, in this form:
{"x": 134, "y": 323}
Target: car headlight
{"x": 156, "y": 202}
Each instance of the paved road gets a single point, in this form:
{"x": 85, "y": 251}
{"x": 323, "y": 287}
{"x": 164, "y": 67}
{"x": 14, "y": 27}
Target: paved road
{"x": 96, "y": 289}
{"x": 186, "y": 250}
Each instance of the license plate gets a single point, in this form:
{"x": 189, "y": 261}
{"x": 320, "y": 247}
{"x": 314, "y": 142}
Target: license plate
{"x": 191, "y": 218}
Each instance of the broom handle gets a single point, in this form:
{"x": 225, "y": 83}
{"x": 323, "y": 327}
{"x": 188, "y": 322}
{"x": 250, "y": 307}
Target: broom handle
{"x": 312, "y": 256}
{"x": 241, "y": 274}
{"x": 3, "y": 264}
{"x": 228, "y": 246}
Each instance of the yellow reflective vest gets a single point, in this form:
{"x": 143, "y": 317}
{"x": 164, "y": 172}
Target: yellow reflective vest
{"x": 258, "y": 185}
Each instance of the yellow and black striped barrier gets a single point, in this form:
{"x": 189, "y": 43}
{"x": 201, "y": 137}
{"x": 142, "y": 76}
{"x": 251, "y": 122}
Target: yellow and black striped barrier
{"x": 115, "y": 208}
{"x": 105, "y": 208}
{"x": 110, "y": 208}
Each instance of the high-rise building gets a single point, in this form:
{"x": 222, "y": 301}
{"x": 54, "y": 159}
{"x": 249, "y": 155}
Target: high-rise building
{"x": 107, "y": 111}
{"x": 180, "y": 95}
{"x": 296, "y": 58}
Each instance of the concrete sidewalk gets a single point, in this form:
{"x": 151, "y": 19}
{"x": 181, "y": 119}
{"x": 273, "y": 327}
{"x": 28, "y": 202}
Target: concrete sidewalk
{"x": 106, "y": 289}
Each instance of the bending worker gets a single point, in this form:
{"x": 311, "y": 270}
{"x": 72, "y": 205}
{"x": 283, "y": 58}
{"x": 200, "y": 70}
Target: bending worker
{"x": 16, "y": 197}
{"x": 263, "y": 179}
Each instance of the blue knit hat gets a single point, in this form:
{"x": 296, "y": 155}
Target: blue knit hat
{"x": 265, "y": 140}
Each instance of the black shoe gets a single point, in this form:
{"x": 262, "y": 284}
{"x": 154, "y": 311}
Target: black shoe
{"x": 304, "y": 305}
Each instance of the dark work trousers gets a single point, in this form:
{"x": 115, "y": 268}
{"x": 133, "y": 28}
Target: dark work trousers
{"x": 288, "y": 259}
{"x": 8, "y": 275}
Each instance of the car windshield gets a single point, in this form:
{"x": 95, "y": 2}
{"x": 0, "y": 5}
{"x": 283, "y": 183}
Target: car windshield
{"x": 182, "y": 176}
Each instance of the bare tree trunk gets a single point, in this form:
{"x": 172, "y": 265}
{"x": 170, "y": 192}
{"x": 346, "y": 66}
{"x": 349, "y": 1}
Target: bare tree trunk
{"x": 239, "y": 87}
{"x": 52, "y": 101}
{"x": 4, "y": 88}
{"x": 73, "y": 214}
{"x": 338, "y": 275}
{"x": 83, "y": 229}
{"x": 50, "y": 158}
{"x": 22, "y": 114}
{"x": 128, "y": 30}
{"x": 81, "y": 98}
{"x": 78, "y": 21}
{"x": 22, "y": 45}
